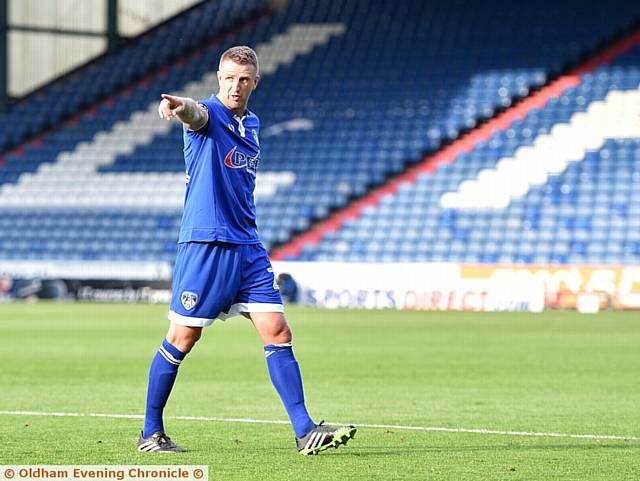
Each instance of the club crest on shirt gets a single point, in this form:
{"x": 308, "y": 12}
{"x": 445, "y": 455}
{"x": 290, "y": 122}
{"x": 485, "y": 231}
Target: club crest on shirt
{"x": 189, "y": 300}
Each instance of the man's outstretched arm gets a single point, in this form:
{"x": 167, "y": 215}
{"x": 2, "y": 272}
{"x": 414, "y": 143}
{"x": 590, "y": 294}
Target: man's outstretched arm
{"x": 188, "y": 111}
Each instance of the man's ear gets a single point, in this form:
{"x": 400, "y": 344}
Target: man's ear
{"x": 257, "y": 82}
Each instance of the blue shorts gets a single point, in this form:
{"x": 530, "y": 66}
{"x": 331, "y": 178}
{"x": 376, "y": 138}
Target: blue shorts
{"x": 219, "y": 280}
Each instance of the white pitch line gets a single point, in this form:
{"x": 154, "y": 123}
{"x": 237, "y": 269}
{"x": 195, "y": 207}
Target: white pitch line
{"x": 373, "y": 426}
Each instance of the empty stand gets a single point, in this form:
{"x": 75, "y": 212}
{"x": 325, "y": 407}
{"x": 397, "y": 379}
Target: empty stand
{"x": 352, "y": 92}
{"x": 562, "y": 185}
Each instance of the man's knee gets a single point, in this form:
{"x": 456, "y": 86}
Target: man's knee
{"x": 279, "y": 331}
{"x": 272, "y": 327}
{"x": 183, "y": 337}
{"x": 283, "y": 333}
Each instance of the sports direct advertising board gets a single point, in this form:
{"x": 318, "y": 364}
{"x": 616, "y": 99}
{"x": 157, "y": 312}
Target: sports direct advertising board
{"x": 412, "y": 286}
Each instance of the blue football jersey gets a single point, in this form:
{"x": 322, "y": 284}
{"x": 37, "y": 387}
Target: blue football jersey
{"x": 221, "y": 161}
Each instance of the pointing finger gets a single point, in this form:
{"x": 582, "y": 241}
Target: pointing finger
{"x": 170, "y": 98}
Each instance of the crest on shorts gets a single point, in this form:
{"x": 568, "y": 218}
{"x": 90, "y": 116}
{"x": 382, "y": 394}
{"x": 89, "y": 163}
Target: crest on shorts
{"x": 189, "y": 300}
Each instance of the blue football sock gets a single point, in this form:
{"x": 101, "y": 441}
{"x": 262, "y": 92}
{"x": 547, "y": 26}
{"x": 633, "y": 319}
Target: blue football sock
{"x": 163, "y": 372}
{"x": 285, "y": 376}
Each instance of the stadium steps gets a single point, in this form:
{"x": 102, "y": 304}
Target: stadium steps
{"x": 329, "y": 157}
{"x": 49, "y": 186}
{"x": 64, "y": 119}
{"x": 535, "y": 100}
{"x": 615, "y": 117}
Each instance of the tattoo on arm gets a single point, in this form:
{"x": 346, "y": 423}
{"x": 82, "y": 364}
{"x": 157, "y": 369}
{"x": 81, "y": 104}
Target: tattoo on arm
{"x": 194, "y": 116}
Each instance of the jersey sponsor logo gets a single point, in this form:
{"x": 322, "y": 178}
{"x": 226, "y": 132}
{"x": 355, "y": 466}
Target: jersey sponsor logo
{"x": 238, "y": 160}
{"x": 189, "y": 300}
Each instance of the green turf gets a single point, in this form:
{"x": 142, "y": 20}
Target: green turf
{"x": 551, "y": 372}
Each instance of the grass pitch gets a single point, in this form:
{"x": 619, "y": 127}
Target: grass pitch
{"x": 556, "y": 372}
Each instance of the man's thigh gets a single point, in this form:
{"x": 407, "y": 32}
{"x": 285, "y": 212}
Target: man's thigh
{"x": 259, "y": 291}
{"x": 206, "y": 279}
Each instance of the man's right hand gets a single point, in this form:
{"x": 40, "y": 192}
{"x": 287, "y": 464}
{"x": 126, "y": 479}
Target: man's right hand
{"x": 170, "y": 106}
{"x": 193, "y": 115}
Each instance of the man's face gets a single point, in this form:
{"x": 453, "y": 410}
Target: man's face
{"x": 236, "y": 84}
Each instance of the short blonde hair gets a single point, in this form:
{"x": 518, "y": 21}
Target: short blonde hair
{"x": 242, "y": 55}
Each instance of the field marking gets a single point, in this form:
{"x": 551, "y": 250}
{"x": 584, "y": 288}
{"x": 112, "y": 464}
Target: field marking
{"x": 373, "y": 426}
